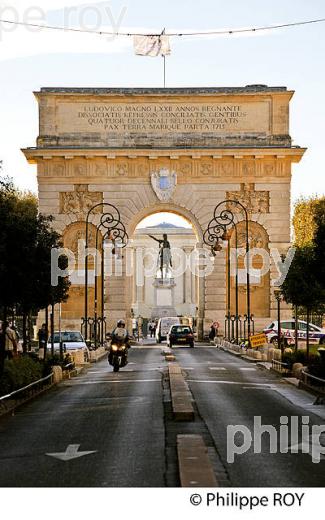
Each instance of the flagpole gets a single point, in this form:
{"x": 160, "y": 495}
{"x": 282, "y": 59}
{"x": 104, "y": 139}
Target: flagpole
{"x": 164, "y": 56}
{"x": 164, "y": 70}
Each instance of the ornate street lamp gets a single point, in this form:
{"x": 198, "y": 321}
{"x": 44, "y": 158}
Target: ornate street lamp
{"x": 117, "y": 235}
{"x": 278, "y": 297}
{"x": 215, "y": 232}
{"x": 114, "y": 230}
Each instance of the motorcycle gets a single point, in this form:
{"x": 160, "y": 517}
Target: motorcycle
{"x": 118, "y": 355}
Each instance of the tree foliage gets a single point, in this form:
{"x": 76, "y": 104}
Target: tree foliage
{"x": 26, "y": 240}
{"x": 304, "y": 285}
{"x": 305, "y": 219}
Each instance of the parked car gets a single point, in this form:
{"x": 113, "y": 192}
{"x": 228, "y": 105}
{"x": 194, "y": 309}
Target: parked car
{"x": 316, "y": 334}
{"x": 180, "y": 335}
{"x": 71, "y": 340}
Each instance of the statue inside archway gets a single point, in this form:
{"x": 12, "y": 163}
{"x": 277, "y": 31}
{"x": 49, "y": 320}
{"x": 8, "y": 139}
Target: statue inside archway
{"x": 164, "y": 256}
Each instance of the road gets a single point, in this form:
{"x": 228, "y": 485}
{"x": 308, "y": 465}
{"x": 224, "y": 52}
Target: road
{"x": 123, "y": 425}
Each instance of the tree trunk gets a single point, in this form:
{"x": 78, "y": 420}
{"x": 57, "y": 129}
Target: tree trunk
{"x": 296, "y": 328}
{"x": 308, "y": 320}
{"x": 2, "y": 342}
{"x": 24, "y": 332}
{"x": 47, "y": 331}
{"x": 52, "y": 329}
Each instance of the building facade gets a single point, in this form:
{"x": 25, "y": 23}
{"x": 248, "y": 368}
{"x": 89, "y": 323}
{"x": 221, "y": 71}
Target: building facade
{"x": 181, "y": 150}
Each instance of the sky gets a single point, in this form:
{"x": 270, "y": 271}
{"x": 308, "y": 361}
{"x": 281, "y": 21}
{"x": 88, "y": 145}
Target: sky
{"x": 292, "y": 57}
{"x": 163, "y": 217}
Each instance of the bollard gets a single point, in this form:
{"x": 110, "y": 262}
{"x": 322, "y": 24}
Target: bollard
{"x": 78, "y": 357}
{"x": 296, "y": 370}
{"x": 270, "y": 354}
{"x": 57, "y": 374}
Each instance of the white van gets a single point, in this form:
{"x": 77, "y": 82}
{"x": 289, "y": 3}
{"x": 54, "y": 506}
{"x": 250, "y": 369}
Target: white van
{"x": 164, "y": 325}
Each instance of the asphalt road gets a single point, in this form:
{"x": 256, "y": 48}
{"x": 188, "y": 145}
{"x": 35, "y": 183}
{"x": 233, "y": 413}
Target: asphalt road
{"x": 118, "y": 416}
{"x": 119, "y": 421}
{"x": 231, "y": 391}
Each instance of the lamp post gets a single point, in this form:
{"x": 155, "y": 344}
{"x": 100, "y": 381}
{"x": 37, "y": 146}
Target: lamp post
{"x": 222, "y": 219}
{"x": 100, "y": 322}
{"x": 226, "y": 236}
{"x": 110, "y": 223}
{"x": 277, "y": 294}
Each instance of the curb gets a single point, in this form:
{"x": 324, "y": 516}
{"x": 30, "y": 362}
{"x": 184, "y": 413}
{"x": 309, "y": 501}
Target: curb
{"x": 249, "y": 359}
{"x": 19, "y": 403}
{"x": 181, "y": 401}
{"x": 293, "y": 381}
{"x": 231, "y": 352}
{"x": 262, "y": 365}
{"x": 195, "y": 468}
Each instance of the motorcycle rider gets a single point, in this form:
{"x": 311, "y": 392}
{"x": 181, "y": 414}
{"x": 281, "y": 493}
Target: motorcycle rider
{"x": 120, "y": 335}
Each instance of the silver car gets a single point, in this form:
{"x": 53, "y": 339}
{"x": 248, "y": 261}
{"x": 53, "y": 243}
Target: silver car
{"x": 71, "y": 341}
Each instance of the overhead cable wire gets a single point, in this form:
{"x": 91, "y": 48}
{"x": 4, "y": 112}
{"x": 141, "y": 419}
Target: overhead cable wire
{"x": 177, "y": 34}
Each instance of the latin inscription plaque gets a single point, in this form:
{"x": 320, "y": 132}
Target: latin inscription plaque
{"x": 158, "y": 118}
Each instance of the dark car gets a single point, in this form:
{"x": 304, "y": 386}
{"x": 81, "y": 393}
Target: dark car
{"x": 180, "y": 335}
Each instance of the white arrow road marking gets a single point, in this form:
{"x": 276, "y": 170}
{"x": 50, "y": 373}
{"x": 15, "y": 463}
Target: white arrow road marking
{"x": 70, "y": 453}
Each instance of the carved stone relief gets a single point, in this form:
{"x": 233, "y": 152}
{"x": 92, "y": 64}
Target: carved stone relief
{"x": 253, "y": 201}
{"x": 80, "y": 201}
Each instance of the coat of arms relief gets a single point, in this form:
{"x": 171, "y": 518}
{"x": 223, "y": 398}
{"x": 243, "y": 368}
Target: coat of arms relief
{"x": 164, "y": 183}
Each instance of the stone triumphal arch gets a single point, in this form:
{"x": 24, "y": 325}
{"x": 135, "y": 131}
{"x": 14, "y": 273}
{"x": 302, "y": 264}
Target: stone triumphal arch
{"x": 180, "y": 150}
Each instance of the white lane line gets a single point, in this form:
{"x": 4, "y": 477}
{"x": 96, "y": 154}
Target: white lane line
{"x": 224, "y": 363}
{"x": 112, "y": 381}
{"x": 140, "y": 369}
{"x": 248, "y": 369}
{"x": 269, "y": 387}
{"x": 217, "y": 368}
{"x": 229, "y": 382}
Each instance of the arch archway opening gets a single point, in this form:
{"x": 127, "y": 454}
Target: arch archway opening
{"x": 164, "y": 282}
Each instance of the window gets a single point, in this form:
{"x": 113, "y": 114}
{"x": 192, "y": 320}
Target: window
{"x": 181, "y": 330}
{"x": 287, "y": 325}
{"x": 67, "y": 337}
{"x": 312, "y": 328}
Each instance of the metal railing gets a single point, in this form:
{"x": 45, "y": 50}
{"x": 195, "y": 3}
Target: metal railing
{"x": 27, "y": 391}
{"x": 279, "y": 366}
{"x": 316, "y": 382}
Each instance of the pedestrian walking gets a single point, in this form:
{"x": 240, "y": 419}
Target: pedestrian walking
{"x": 42, "y": 336}
{"x": 214, "y": 330}
{"x": 11, "y": 344}
{"x": 134, "y": 327}
{"x": 152, "y": 329}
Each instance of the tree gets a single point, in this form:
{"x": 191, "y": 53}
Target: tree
{"x": 304, "y": 285}
{"x": 319, "y": 241}
{"x": 305, "y": 220}
{"x": 26, "y": 240}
